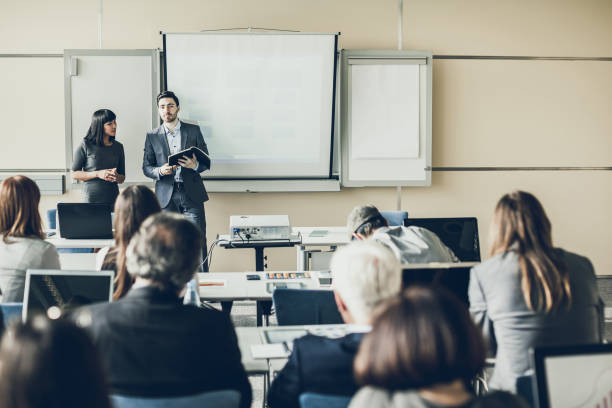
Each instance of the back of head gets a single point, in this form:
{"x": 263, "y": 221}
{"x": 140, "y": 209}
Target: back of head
{"x": 365, "y": 273}
{"x": 95, "y": 133}
{"x": 50, "y": 363}
{"x": 364, "y": 220}
{"x": 19, "y": 216}
{"x": 166, "y": 250}
{"x": 133, "y": 206}
{"x": 520, "y": 224}
{"x": 419, "y": 339}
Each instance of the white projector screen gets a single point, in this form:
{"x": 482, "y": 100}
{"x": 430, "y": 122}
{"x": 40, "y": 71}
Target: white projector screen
{"x": 264, "y": 102}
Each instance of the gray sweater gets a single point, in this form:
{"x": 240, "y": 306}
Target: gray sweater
{"x": 369, "y": 397}
{"x": 498, "y": 307}
{"x": 19, "y": 255}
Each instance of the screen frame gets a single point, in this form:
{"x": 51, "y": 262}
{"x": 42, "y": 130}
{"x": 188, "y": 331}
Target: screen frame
{"x": 58, "y": 272}
{"x": 334, "y": 103}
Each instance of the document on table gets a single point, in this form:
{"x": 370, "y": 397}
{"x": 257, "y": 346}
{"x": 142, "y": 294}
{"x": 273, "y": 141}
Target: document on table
{"x": 219, "y": 283}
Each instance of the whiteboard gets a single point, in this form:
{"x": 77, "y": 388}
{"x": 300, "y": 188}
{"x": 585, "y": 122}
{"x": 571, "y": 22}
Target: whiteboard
{"x": 33, "y": 113}
{"x": 264, "y": 101}
{"x": 124, "y": 81}
{"x": 386, "y": 118}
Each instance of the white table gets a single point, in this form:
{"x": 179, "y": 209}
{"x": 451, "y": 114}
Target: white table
{"x": 79, "y": 243}
{"x": 78, "y": 261}
{"x": 237, "y": 287}
{"x": 316, "y": 237}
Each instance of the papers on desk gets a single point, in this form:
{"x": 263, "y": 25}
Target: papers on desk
{"x": 265, "y": 351}
{"x": 212, "y": 283}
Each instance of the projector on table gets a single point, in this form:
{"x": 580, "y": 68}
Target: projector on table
{"x": 259, "y": 227}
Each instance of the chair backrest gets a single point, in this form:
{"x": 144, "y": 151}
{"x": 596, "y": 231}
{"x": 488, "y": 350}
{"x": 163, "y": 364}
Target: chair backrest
{"x": 52, "y": 218}
{"x": 212, "y": 399}
{"x": 312, "y": 400}
{"x": 305, "y": 306}
{"x": 10, "y": 312}
{"x": 395, "y": 218}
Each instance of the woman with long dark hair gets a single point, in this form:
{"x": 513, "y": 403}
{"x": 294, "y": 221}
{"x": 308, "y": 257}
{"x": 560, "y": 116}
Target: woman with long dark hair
{"x": 133, "y": 206}
{"x": 422, "y": 352}
{"x": 530, "y": 293}
{"x": 99, "y": 161}
{"x": 22, "y": 244}
{"x": 50, "y": 364}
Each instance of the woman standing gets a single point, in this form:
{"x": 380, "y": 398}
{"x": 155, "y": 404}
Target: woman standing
{"x": 133, "y": 206}
{"x": 22, "y": 244}
{"x": 530, "y": 293}
{"x": 99, "y": 161}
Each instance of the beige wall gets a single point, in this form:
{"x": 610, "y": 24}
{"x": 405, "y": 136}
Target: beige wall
{"x": 486, "y": 113}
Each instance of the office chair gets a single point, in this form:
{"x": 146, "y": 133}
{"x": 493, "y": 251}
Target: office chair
{"x": 395, "y": 218}
{"x": 52, "y": 224}
{"x": 313, "y": 400}
{"x": 212, "y": 399}
{"x": 305, "y": 306}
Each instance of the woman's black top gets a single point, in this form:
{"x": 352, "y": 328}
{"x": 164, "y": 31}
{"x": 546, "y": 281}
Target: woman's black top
{"x": 91, "y": 157}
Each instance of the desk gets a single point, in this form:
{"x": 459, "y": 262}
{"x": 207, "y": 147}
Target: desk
{"x": 237, "y": 287}
{"x": 318, "y": 236}
{"x": 263, "y": 307}
{"x": 79, "y": 243}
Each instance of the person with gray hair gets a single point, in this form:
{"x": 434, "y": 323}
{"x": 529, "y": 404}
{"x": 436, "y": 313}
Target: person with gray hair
{"x": 152, "y": 345}
{"x": 365, "y": 274}
{"x": 409, "y": 244}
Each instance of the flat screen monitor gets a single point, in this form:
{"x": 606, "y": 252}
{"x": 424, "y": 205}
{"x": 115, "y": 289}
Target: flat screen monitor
{"x": 573, "y": 376}
{"x": 459, "y": 234}
{"x": 455, "y": 277}
{"x": 66, "y": 290}
{"x": 85, "y": 221}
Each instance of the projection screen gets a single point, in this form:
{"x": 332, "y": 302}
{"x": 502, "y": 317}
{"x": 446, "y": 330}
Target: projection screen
{"x": 264, "y": 102}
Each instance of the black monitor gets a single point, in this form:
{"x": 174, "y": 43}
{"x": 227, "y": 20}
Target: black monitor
{"x": 459, "y": 234}
{"x": 45, "y": 288}
{"x": 455, "y": 277}
{"x": 84, "y": 220}
{"x": 573, "y": 376}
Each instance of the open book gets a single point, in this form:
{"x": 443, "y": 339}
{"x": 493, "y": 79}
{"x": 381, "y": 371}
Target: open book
{"x": 200, "y": 154}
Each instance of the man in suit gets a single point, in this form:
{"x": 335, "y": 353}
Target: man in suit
{"x": 178, "y": 188}
{"x": 152, "y": 345}
{"x": 365, "y": 274}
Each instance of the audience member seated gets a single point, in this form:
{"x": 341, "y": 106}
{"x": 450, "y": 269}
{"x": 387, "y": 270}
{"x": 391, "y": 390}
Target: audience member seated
{"x": 530, "y": 293}
{"x": 422, "y": 353}
{"x": 50, "y": 364}
{"x": 364, "y": 275}
{"x": 409, "y": 244}
{"x": 132, "y": 207}
{"x": 153, "y": 345}
{"x": 22, "y": 240}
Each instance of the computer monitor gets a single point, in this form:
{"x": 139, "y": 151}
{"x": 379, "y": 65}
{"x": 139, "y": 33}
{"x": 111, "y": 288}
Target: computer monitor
{"x": 459, "y": 234}
{"x": 84, "y": 221}
{"x": 455, "y": 277}
{"x": 573, "y": 376}
{"x": 65, "y": 289}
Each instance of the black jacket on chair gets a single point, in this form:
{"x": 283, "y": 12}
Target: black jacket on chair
{"x": 151, "y": 345}
{"x": 317, "y": 364}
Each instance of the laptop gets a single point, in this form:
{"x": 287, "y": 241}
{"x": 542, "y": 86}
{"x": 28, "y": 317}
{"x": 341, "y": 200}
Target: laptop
{"x": 67, "y": 290}
{"x": 84, "y": 221}
{"x": 573, "y": 376}
{"x": 455, "y": 277}
{"x": 459, "y": 234}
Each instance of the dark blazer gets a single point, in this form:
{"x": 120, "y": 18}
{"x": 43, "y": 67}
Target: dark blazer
{"x": 317, "y": 364}
{"x": 152, "y": 345}
{"x": 498, "y": 307}
{"x": 156, "y": 152}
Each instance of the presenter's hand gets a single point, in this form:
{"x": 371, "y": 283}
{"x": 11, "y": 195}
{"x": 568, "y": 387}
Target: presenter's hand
{"x": 166, "y": 169}
{"x": 107, "y": 175}
{"x": 190, "y": 163}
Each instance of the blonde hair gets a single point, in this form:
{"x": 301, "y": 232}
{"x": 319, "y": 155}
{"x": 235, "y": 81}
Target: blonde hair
{"x": 520, "y": 225}
{"x": 365, "y": 273}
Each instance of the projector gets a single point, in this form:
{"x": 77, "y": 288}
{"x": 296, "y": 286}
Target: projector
{"x": 259, "y": 227}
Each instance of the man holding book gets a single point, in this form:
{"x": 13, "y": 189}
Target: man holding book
{"x": 178, "y": 187}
